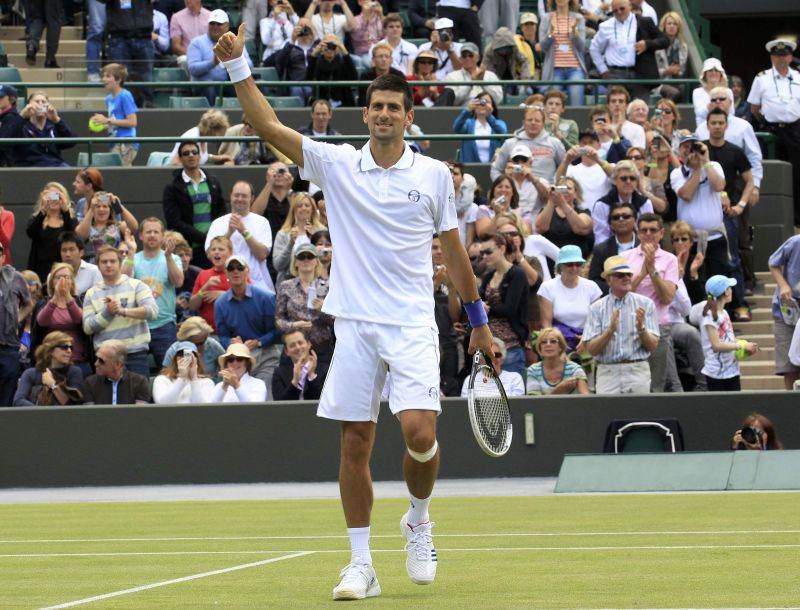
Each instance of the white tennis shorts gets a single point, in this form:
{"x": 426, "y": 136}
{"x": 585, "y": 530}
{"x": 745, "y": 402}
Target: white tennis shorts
{"x": 364, "y": 351}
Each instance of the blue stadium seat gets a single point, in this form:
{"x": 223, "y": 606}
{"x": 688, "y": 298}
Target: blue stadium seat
{"x": 157, "y": 159}
{"x": 231, "y": 103}
{"x": 100, "y": 159}
{"x": 285, "y": 101}
{"x": 177, "y": 101}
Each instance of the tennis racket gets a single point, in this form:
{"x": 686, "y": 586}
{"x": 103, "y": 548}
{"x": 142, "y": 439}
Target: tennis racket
{"x": 487, "y": 403}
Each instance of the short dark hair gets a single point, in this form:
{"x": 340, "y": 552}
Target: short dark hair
{"x": 717, "y": 112}
{"x": 650, "y": 217}
{"x": 70, "y": 237}
{"x": 192, "y": 142}
{"x": 392, "y": 82}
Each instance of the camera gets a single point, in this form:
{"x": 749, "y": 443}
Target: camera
{"x": 751, "y": 436}
{"x": 281, "y": 170}
{"x": 41, "y": 108}
{"x": 325, "y": 251}
{"x": 561, "y": 188}
{"x": 482, "y": 102}
{"x": 658, "y": 112}
{"x": 696, "y": 147}
{"x": 305, "y": 31}
{"x": 445, "y": 36}
{"x": 103, "y": 198}
{"x": 517, "y": 168}
{"x": 331, "y": 46}
{"x": 187, "y": 354}
{"x": 53, "y": 196}
{"x": 584, "y": 150}
{"x": 500, "y": 200}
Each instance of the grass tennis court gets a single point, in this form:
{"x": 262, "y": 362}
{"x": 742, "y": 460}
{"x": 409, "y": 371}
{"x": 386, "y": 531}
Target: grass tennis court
{"x": 632, "y": 551}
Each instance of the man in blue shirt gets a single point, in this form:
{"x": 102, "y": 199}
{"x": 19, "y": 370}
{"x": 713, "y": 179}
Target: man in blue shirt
{"x": 246, "y": 314}
{"x": 202, "y": 63}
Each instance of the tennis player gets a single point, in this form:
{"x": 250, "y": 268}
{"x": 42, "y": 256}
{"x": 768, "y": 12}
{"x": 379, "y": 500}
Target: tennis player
{"x": 384, "y": 205}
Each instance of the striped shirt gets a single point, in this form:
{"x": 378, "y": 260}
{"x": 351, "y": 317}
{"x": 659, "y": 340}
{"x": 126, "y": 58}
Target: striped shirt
{"x": 201, "y": 204}
{"x": 128, "y": 292}
{"x": 624, "y": 345}
{"x": 564, "y": 53}
{"x": 538, "y": 384}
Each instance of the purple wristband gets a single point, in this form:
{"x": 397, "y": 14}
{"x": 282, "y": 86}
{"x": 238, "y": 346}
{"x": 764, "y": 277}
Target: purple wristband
{"x": 476, "y": 313}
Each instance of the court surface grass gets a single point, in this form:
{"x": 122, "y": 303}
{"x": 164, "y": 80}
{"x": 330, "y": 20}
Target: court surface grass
{"x": 738, "y": 550}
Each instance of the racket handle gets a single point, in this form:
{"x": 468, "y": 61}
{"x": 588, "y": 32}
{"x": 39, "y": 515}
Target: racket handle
{"x": 476, "y": 313}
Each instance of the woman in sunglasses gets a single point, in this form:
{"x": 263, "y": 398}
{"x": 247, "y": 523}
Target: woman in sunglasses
{"x": 652, "y": 189}
{"x": 690, "y": 271}
{"x": 503, "y": 198}
{"x": 665, "y": 121}
{"x": 53, "y": 381}
{"x": 237, "y": 385}
{"x": 554, "y": 373}
{"x": 625, "y": 178}
{"x": 424, "y": 68}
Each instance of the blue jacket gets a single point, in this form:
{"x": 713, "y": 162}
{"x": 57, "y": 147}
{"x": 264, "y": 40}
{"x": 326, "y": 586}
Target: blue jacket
{"x": 465, "y": 123}
{"x": 251, "y": 318}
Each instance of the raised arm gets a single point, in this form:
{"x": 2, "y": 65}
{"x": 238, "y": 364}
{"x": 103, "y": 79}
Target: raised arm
{"x": 262, "y": 117}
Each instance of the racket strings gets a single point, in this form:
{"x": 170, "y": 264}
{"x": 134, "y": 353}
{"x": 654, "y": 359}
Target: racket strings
{"x": 491, "y": 410}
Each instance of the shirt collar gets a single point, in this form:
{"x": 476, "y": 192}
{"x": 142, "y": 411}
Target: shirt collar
{"x": 248, "y": 292}
{"x": 368, "y": 162}
{"x": 186, "y": 177}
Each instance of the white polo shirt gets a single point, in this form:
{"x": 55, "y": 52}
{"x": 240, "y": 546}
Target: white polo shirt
{"x": 778, "y": 96}
{"x": 381, "y": 223}
{"x": 704, "y": 211}
{"x": 259, "y": 227}
{"x": 402, "y": 55}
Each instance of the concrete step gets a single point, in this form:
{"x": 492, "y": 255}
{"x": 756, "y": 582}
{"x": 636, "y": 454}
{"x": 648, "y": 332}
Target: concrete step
{"x": 15, "y": 32}
{"x": 65, "y": 60}
{"x": 760, "y": 300}
{"x": 765, "y": 353}
{"x": 17, "y": 47}
{"x": 51, "y": 75}
{"x": 764, "y": 341}
{"x": 763, "y": 382}
{"x": 760, "y": 314}
{"x": 763, "y": 276}
{"x": 755, "y": 368}
{"x": 747, "y": 329}
{"x": 80, "y": 103}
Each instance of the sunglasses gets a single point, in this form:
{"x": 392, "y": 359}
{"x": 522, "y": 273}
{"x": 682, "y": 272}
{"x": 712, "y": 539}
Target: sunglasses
{"x": 681, "y": 238}
{"x": 64, "y": 346}
{"x": 510, "y": 234}
{"x": 649, "y": 230}
{"x": 99, "y": 360}
{"x": 230, "y": 359}
{"x": 235, "y": 267}
{"x": 305, "y": 257}
{"x": 426, "y": 61}
{"x": 519, "y": 159}
{"x": 621, "y": 216}
{"x": 487, "y": 252}
{"x": 621, "y": 275}
{"x": 666, "y": 110}
{"x": 189, "y": 153}
{"x": 636, "y": 158}
{"x": 627, "y": 178}
{"x": 548, "y": 342}
{"x": 718, "y": 99}
{"x": 467, "y": 54}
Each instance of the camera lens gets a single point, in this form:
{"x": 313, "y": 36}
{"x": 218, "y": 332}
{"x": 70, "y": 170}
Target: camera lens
{"x": 306, "y": 31}
{"x": 749, "y": 436}
{"x": 331, "y": 46}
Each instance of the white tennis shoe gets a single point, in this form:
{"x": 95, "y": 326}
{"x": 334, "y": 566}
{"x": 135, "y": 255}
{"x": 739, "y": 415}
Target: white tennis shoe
{"x": 358, "y": 581}
{"x": 421, "y": 561}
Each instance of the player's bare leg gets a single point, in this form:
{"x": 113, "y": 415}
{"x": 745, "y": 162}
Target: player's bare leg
{"x": 420, "y": 468}
{"x": 355, "y": 486}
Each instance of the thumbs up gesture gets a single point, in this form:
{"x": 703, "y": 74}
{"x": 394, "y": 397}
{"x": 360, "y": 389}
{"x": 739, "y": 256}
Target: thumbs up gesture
{"x": 230, "y": 46}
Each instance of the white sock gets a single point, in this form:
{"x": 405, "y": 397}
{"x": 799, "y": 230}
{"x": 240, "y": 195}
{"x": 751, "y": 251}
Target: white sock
{"x": 419, "y": 511}
{"x": 359, "y": 545}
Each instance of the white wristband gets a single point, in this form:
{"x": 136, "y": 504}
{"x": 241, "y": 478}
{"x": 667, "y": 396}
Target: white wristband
{"x": 237, "y": 68}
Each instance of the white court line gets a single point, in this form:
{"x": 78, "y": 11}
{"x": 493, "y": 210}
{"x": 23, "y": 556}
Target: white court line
{"x": 681, "y": 547}
{"x": 164, "y": 583}
{"x": 339, "y": 536}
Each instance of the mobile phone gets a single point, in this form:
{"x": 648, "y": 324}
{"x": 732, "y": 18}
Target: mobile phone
{"x": 187, "y": 354}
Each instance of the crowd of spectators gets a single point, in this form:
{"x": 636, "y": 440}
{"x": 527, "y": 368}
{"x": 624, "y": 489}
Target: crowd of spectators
{"x": 612, "y": 256}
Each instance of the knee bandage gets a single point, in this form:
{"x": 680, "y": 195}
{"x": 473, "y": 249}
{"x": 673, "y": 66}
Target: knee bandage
{"x": 426, "y": 456}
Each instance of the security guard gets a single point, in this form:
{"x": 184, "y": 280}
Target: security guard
{"x": 775, "y": 98}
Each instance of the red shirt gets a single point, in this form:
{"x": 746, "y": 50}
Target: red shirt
{"x": 207, "y": 309}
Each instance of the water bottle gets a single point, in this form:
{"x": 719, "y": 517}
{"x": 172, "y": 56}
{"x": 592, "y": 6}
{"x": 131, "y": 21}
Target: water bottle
{"x": 312, "y": 295}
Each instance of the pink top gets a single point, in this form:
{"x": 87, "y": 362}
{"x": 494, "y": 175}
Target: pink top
{"x": 7, "y": 232}
{"x": 366, "y": 33}
{"x": 187, "y": 25}
{"x": 68, "y": 320}
{"x": 667, "y": 268}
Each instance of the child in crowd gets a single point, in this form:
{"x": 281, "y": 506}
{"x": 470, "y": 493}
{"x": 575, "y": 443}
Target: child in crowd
{"x": 720, "y": 347}
{"x": 122, "y": 109}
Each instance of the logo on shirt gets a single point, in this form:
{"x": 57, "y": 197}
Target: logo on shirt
{"x": 413, "y": 196}
{"x": 433, "y": 393}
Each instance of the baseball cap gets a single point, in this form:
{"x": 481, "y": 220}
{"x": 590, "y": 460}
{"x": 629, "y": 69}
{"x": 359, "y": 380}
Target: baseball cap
{"x": 443, "y": 23}
{"x": 588, "y": 133}
{"x": 470, "y": 47}
{"x": 615, "y": 264}
{"x": 237, "y": 258}
{"x": 716, "y": 285}
{"x": 520, "y": 150}
{"x": 690, "y": 137}
{"x": 305, "y": 248}
{"x": 182, "y": 345}
{"x": 8, "y": 90}
{"x": 781, "y": 46}
{"x": 528, "y": 18}
{"x": 218, "y": 16}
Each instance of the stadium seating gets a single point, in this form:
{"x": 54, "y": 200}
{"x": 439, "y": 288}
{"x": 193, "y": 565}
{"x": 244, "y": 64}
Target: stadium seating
{"x": 161, "y": 95}
{"x": 178, "y": 101}
{"x": 158, "y": 158}
{"x": 231, "y": 103}
{"x": 285, "y": 101}
{"x": 100, "y": 159}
